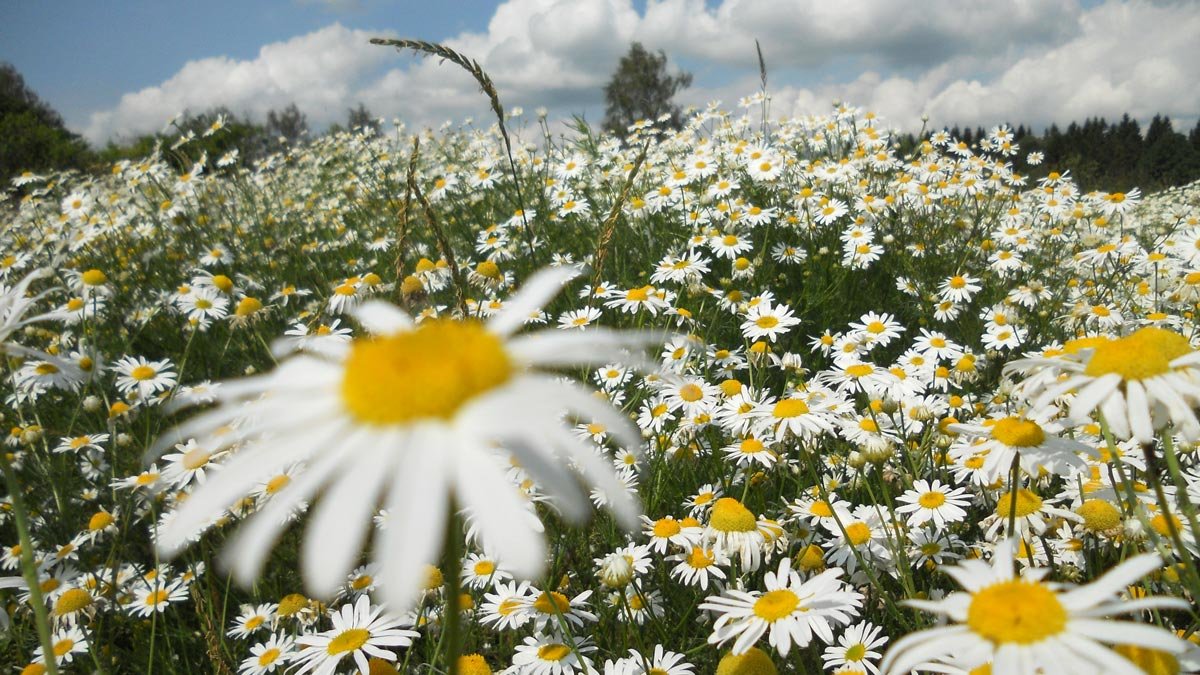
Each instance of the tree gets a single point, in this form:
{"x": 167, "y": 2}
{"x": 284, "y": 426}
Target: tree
{"x": 360, "y": 117}
{"x": 290, "y": 124}
{"x": 32, "y": 135}
{"x": 641, "y": 88}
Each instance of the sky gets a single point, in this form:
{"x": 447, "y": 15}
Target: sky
{"x": 122, "y": 68}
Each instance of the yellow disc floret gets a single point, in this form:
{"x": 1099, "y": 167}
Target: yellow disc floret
{"x": 1145, "y": 353}
{"x": 1016, "y": 611}
{"x": 430, "y": 371}
{"x": 728, "y": 515}
{"x": 1016, "y": 432}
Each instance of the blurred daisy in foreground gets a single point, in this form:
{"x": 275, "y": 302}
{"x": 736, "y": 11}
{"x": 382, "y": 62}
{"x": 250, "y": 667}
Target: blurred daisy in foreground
{"x": 408, "y": 417}
{"x": 1023, "y": 625}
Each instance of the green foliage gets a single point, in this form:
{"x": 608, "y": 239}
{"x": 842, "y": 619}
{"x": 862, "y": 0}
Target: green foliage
{"x": 32, "y": 134}
{"x": 641, "y": 88}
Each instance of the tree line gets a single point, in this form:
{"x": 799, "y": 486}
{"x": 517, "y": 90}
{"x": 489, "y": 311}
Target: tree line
{"x": 1101, "y": 155}
{"x": 1113, "y": 157}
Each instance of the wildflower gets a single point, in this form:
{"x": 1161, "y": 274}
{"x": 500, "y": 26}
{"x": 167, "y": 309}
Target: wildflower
{"x": 1022, "y": 624}
{"x": 359, "y": 631}
{"x": 790, "y": 610}
{"x": 933, "y": 501}
{"x": 376, "y": 406}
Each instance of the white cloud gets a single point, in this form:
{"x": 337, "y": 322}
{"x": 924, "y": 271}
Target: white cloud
{"x": 961, "y": 62}
{"x": 317, "y": 71}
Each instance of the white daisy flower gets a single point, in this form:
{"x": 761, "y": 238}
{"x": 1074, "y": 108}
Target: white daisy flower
{"x": 1022, "y": 624}
{"x": 359, "y": 631}
{"x": 363, "y": 417}
{"x": 790, "y": 611}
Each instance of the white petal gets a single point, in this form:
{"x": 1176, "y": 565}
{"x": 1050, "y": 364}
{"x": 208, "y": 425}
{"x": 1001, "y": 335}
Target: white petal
{"x": 340, "y": 523}
{"x": 416, "y": 522}
{"x": 1111, "y": 583}
{"x": 534, "y": 294}
{"x": 382, "y": 318}
{"x": 496, "y": 505}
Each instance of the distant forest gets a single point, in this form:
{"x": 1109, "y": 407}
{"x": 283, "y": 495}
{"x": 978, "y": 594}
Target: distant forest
{"x": 1113, "y": 157}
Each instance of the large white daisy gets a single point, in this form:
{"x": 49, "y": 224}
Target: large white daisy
{"x": 408, "y": 418}
{"x": 1024, "y": 625}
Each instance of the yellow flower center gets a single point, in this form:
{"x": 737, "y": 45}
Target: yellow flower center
{"x": 821, "y": 509}
{"x": 859, "y": 370}
{"x": 751, "y": 446}
{"x": 473, "y": 664}
{"x": 637, "y": 294}
{"x": 691, "y": 392}
{"x": 63, "y": 647}
{"x": 488, "y": 270}
{"x": 1023, "y": 503}
{"x": 155, "y": 598}
{"x": 268, "y": 657}
{"x": 93, "y": 277}
{"x": 700, "y": 558}
{"x": 348, "y": 641}
{"x": 508, "y": 606}
{"x": 100, "y": 520}
{"x": 776, "y": 605}
{"x": 484, "y": 568}
{"x": 1018, "y": 433}
{"x": 856, "y": 652}
{"x": 858, "y": 533}
{"x": 552, "y": 602}
{"x": 1150, "y": 661}
{"x": 766, "y": 321}
{"x": 753, "y": 662}
{"x": 195, "y": 458}
{"x": 553, "y": 652}
{"x": 72, "y": 601}
{"x": 427, "y": 372}
{"x": 958, "y": 282}
{"x": 789, "y": 407}
{"x": 291, "y": 604}
{"x": 278, "y": 483}
{"x": 254, "y": 622}
{"x": 142, "y": 373}
{"x": 1016, "y": 611}
{"x": 1099, "y": 515}
{"x": 1145, "y": 353}
{"x": 361, "y": 582}
{"x": 666, "y": 527}
{"x": 46, "y": 369}
{"x": 931, "y": 500}
{"x": 729, "y": 515}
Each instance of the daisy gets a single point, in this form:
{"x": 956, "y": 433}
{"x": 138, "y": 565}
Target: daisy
{"x": 733, "y": 529}
{"x": 1022, "y": 624}
{"x": 360, "y": 631}
{"x": 504, "y": 608}
{"x": 666, "y": 531}
{"x": 265, "y": 657}
{"x": 1017, "y": 435}
{"x": 578, "y": 318}
{"x": 959, "y": 288}
{"x": 363, "y": 416}
{"x": 855, "y": 648}
{"x": 765, "y": 320}
{"x": 67, "y": 643}
{"x": 252, "y": 619}
{"x": 551, "y": 655}
{"x": 1139, "y": 382}
{"x": 695, "y": 566}
{"x": 661, "y": 662}
{"x": 480, "y": 571}
{"x": 933, "y": 501}
{"x": 155, "y": 598}
{"x": 147, "y": 378}
{"x": 791, "y": 610}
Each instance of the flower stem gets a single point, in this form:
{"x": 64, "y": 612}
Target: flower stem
{"x": 28, "y": 567}
{"x": 453, "y": 579}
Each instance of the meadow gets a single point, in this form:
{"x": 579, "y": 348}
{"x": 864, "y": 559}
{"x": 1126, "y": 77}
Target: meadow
{"x": 748, "y": 397}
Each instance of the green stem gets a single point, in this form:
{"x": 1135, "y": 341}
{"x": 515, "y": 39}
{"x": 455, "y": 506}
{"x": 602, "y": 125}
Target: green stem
{"x": 28, "y": 567}
{"x": 453, "y": 618}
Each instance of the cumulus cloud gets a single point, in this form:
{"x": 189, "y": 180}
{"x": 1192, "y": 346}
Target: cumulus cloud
{"x": 959, "y": 61}
{"x": 1125, "y": 57}
{"x": 317, "y": 71}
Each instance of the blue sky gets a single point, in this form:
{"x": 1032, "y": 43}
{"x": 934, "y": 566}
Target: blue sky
{"x": 114, "y": 69}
